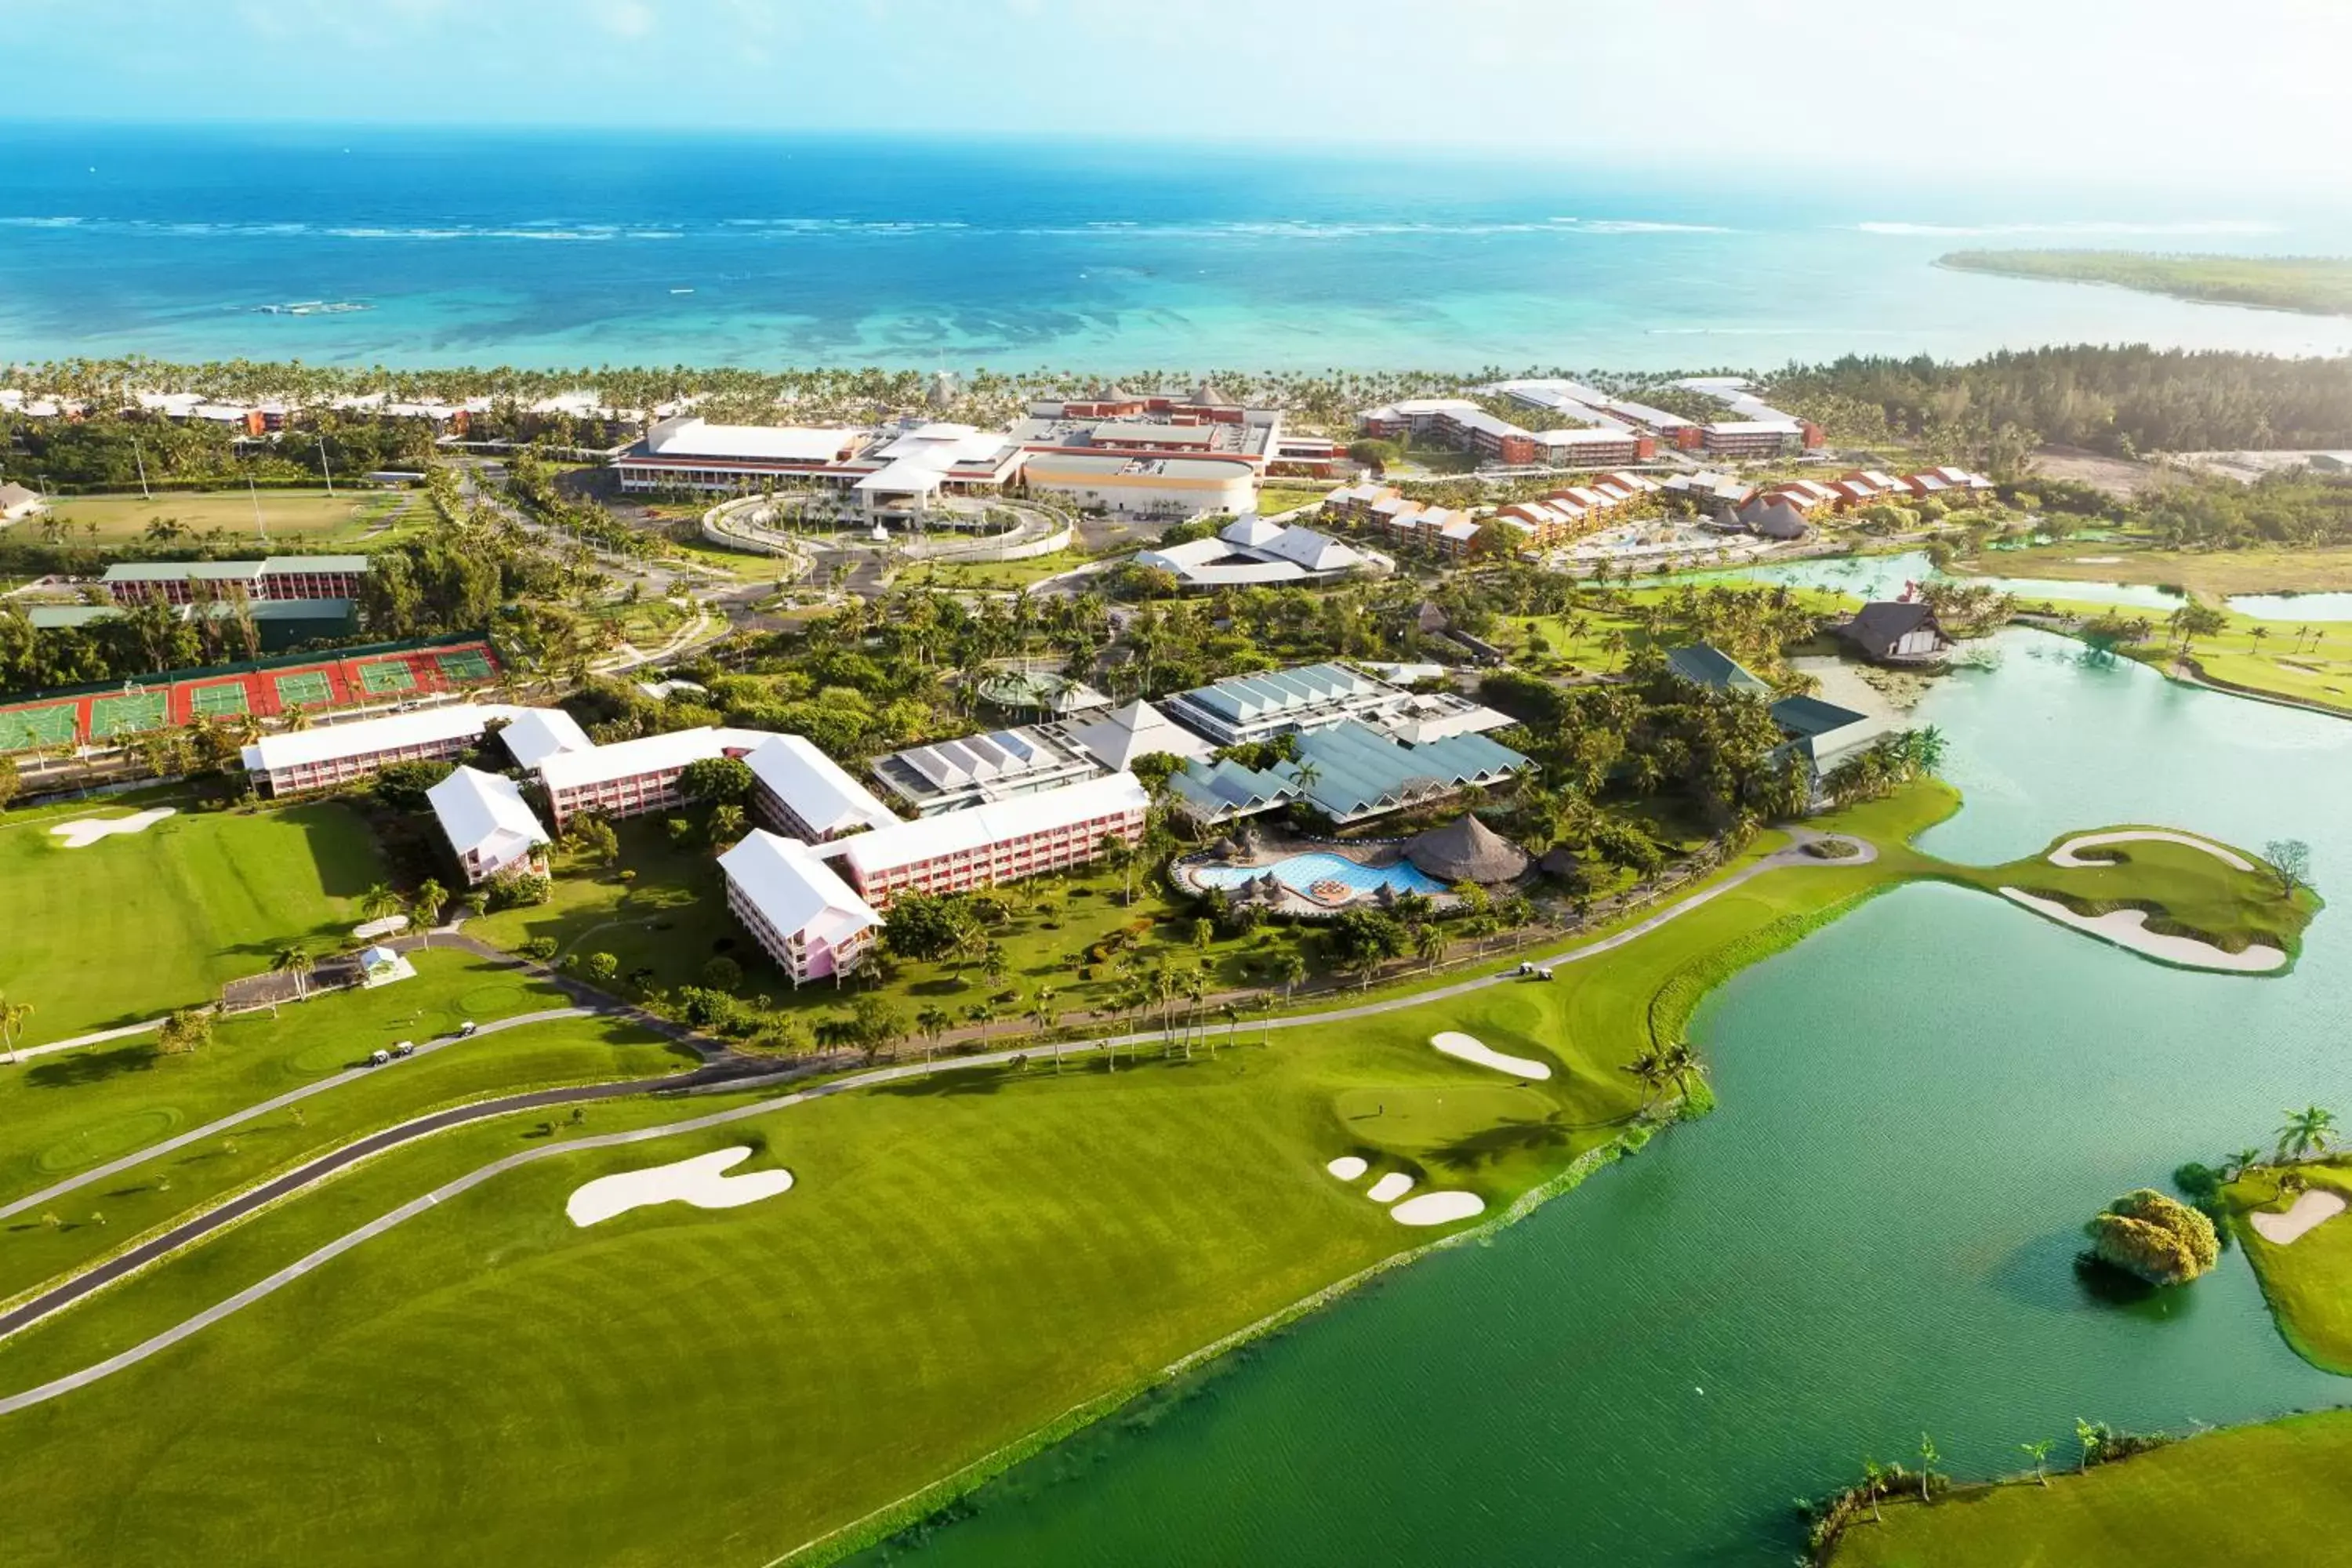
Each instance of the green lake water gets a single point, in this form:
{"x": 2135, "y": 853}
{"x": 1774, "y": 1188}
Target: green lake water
{"x": 1884, "y": 577}
{"x": 1920, "y": 1105}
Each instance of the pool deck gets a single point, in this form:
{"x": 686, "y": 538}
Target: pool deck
{"x": 1371, "y": 854}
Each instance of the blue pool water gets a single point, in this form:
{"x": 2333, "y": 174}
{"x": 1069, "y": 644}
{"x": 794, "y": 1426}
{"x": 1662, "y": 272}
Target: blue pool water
{"x": 1301, "y": 872}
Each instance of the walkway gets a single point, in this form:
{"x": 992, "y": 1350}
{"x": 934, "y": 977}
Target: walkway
{"x": 703, "y": 1080}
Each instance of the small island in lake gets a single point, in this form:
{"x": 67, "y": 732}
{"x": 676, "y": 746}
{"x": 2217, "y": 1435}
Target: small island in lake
{"x": 2314, "y": 285}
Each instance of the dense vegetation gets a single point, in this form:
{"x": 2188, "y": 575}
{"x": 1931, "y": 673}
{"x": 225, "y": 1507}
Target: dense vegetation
{"x": 2319, "y": 285}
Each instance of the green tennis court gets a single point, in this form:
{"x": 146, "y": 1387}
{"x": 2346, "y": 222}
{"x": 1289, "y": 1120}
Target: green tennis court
{"x": 126, "y": 714}
{"x": 465, "y": 665}
{"x": 213, "y": 701}
{"x": 22, "y": 729}
{"x": 305, "y": 689}
{"x": 387, "y": 675}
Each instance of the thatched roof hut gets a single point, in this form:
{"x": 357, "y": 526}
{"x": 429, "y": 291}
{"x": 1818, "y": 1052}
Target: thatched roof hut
{"x": 1467, "y": 850}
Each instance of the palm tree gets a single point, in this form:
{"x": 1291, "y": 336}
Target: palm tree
{"x": 297, "y": 962}
{"x": 1047, "y": 1018}
{"x": 2092, "y": 1436}
{"x": 2244, "y": 1160}
{"x": 933, "y": 1021}
{"x": 1119, "y": 855}
{"x": 1429, "y": 944}
{"x": 2040, "y": 1453}
{"x": 1289, "y": 972}
{"x": 983, "y": 1015}
{"x": 379, "y": 903}
{"x": 1928, "y": 1457}
{"x": 726, "y": 825}
{"x": 2306, "y": 1131}
{"x": 13, "y": 1015}
{"x": 427, "y": 903}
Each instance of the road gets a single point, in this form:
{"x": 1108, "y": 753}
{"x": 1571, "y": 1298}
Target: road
{"x": 713, "y": 1076}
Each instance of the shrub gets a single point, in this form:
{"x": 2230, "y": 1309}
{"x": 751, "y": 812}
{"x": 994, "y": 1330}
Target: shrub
{"x": 722, "y": 974}
{"x": 602, "y": 966}
{"x": 520, "y": 890}
{"x": 2155, "y": 1238}
{"x": 541, "y": 948}
{"x": 402, "y": 785}
{"x": 716, "y": 780}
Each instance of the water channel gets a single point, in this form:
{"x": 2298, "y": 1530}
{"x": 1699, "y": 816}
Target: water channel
{"x": 1920, "y": 1105}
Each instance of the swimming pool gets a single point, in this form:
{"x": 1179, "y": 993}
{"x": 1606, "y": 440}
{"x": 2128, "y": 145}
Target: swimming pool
{"x": 1301, "y": 872}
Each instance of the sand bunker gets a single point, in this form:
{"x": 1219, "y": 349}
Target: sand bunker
{"x": 1469, "y": 1048}
{"x": 2098, "y": 560}
{"x": 84, "y": 831}
{"x": 2310, "y": 1210}
{"x": 700, "y": 1180}
{"x": 1347, "y": 1167}
{"x": 2129, "y": 927}
{"x": 2064, "y": 854}
{"x": 1438, "y": 1208}
{"x": 1390, "y": 1188}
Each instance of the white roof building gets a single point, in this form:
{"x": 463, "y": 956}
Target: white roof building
{"x": 647, "y": 755}
{"x": 950, "y": 775}
{"x": 816, "y": 796}
{"x": 1252, "y": 551}
{"x": 535, "y": 734}
{"x": 364, "y": 737}
{"x": 770, "y": 443}
{"x": 811, "y": 921}
{"x": 871, "y": 854}
{"x": 1138, "y": 730}
{"x": 484, "y": 819}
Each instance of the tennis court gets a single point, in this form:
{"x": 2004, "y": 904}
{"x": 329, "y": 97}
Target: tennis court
{"x": 465, "y": 666}
{"x": 387, "y": 675}
{"x": 24, "y": 728}
{"x": 305, "y": 689}
{"x": 214, "y": 701}
{"x": 126, "y": 714}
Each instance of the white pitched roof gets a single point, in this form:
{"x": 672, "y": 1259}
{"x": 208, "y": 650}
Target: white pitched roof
{"x": 536, "y": 735}
{"x": 1316, "y": 551}
{"x": 1250, "y": 530}
{"x": 816, "y": 788}
{"x": 328, "y": 743}
{"x": 909, "y": 842}
{"x": 794, "y": 891}
{"x": 483, "y": 811}
{"x": 647, "y": 755}
{"x": 777, "y": 443}
{"x": 1138, "y": 730}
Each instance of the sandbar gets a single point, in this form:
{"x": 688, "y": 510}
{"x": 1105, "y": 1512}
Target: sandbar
{"x": 1470, "y": 1048}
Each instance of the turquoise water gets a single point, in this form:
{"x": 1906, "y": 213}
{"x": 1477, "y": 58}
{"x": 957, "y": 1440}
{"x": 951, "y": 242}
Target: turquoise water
{"x": 1871, "y": 1237}
{"x": 2295, "y": 607}
{"x": 635, "y": 248}
{"x": 1884, "y": 577}
{"x": 1301, "y": 872}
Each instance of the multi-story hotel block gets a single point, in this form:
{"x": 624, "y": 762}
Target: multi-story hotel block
{"x": 803, "y": 794}
{"x": 488, "y": 824}
{"x": 633, "y": 778}
{"x": 797, "y": 907}
{"x": 278, "y": 577}
{"x": 1463, "y": 424}
{"x": 331, "y": 755}
{"x": 1006, "y": 841}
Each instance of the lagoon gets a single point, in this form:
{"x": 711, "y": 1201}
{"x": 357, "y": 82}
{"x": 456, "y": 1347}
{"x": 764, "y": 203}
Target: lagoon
{"x": 1919, "y": 1106}
{"x": 2295, "y": 607}
{"x": 1886, "y": 576}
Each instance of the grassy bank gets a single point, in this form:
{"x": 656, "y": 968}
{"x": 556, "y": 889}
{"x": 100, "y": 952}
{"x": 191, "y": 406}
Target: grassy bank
{"x": 2316, "y": 285}
{"x": 2272, "y": 1493}
{"x": 2308, "y": 1282}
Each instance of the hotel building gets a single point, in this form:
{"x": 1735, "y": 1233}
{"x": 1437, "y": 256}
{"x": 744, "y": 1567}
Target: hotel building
{"x": 279, "y": 577}
{"x": 797, "y": 907}
{"x": 488, "y": 824}
{"x": 958, "y": 851}
{"x": 804, "y": 794}
{"x": 333, "y": 754}
{"x": 633, "y": 778}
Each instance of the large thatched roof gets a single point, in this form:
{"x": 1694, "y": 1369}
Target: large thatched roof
{"x": 1467, "y": 850}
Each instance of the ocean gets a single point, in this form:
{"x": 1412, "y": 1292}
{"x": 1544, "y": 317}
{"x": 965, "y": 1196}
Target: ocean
{"x": 406, "y": 247}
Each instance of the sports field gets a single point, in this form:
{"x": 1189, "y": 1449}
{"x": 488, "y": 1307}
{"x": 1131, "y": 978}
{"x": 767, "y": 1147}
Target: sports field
{"x": 732, "y": 1385}
{"x": 380, "y": 677}
{"x": 303, "y": 688}
{"x": 312, "y": 517}
{"x": 43, "y": 724}
{"x": 214, "y": 701}
{"x": 135, "y": 924}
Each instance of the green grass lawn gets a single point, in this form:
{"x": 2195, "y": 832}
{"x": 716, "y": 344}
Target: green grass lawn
{"x": 1007, "y": 575}
{"x": 2270, "y": 1494}
{"x": 2309, "y": 1282}
{"x": 311, "y": 518}
{"x": 1276, "y": 498}
{"x": 729, "y": 1386}
{"x": 136, "y": 924}
{"x": 65, "y": 1114}
{"x": 2212, "y": 573}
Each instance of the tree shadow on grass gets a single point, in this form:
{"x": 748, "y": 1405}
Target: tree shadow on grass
{"x": 1489, "y": 1144}
{"x": 88, "y": 1066}
{"x": 938, "y": 1084}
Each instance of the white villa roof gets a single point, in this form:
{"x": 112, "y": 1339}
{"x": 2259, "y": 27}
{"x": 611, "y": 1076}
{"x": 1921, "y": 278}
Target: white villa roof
{"x": 536, "y": 735}
{"x": 328, "y": 743}
{"x": 777, "y": 443}
{"x": 817, "y": 789}
{"x": 1312, "y": 550}
{"x": 794, "y": 891}
{"x": 480, "y": 811}
{"x": 908, "y": 843}
{"x": 1250, "y": 530}
{"x": 1138, "y": 730}
{"x": 647, "y": 755}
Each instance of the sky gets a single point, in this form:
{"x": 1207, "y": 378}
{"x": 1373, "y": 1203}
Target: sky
{"x": 2029, "y": 89}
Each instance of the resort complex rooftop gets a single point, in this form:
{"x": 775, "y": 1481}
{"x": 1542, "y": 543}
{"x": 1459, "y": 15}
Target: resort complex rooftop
{"x": 486, "y": 824}
{"x": 1704, "y": 665}
{"x": 1243, "y": 707}
{"x": 1139, "y": 729}
{"x": 535, "y": 734}
{"x": 810, "y": 922}
{"x": 949, "y": 775}
{"x": 1251, "y": 552}
{"x": 810, "y": 792}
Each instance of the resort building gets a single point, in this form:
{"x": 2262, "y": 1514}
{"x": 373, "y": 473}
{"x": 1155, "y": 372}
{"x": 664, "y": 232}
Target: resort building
{"x": 797, "y": 907}
{"x": 331, "y": 755}
{"x": 801, "y": 791}
{"x": 910, "y": 471}
{"x": 1757, "y": 428}
{"x": 1709, "y": 489}
{"x": 1944, "y": 481}
{"x": 1139, "y": 729}
{"x": 1896, "y": 632}
{"x": 632, "y": 778}
{"x": 1200, "y": 423}
{"x": 488, "y": 824}
{"x": 1357, "y": 500}
{"x": 16, "y": 503}
{"x": 1243, "y": 709}
{"x": 1771, "y": 517}
{"x": 1146, "y": 486}
{"x": 1467, "y": 850}
{"x": 535, "y": 734}
{"x": 1823, "y": 733}
{"x": 1002, "y": 842}
{"x": 1004, "y": 765}
{"x": 1589, "y": 404}
{"x": 690, "y": 453}
{"x": 1213, "y": 792}
{"x": 1702, "y": 665}
{"x": 1349, "y": 772}
{"x": 1251, "y": 552}
{"x": 1461, "y": 423}
{"x": 1425, "y": 716}
{"x": 277, "y": 578}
